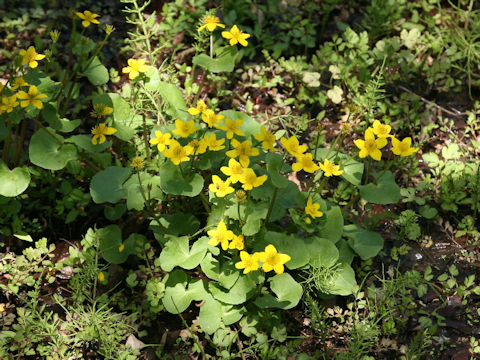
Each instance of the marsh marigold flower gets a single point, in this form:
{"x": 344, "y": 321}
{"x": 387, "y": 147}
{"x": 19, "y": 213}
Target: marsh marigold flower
{"x": 370, "y": 146}
{"x": 232, "y": 127}
{"x": 403, "y": 148}
{"x": 135, "y": 67}
{"x": 312, "y": 209}
{"x": 273, "y": 260}
{"x": 381, "y": 130}
{"x": 305, "y": 163}
{"x": 32, "y": 97}
{"x": 210, "y": 22}
{"x": 137, "y": 162}
{"x": 101, "y": 276}
{"x": 330, "y": 169}
{"x": 210, "y": 118}
{"x": 30, "y": 57}
{"x": 88, "y": 18}
{"x": 99, "y": 133}
{"x": 184, "y": 128}
{"x": 100, "y": 110}
{"x": 221, "y": 235}
{"x": 243, "y": 150}
{"x": 248, "y": 262}
{"x": 219, "y": 187}
{"x": 8, "y": 103}
{"x": 161, "y": 140}
{"x": 235, "y": 35}
{"x": 238, "y": 242}
{"x": 199, "y": 146}
{"x": 213, "y": 144}
{"x": 19, "y": 82}
{"x": 251, "y": 180}
{"x": 234, "y": 170}
{"x": 200, "y": 108}
{"x": 178, "y": 153}
{"x": 267, "y": 139}
{"x": 292, "y": 146}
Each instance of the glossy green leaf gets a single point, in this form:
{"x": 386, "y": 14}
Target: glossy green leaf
{"x": 209, "y": 317}
{"x": 112, "y": 248}
{"x": 180, "y": 223}
{"x": 386, "y": 191}
{"x": 365, "y": 243}
{"x": 172, "y": 181}
{"x": 288, "y": 293}
{"x": 322, "y": 252}
{"x": 180, "y": 291}
{"x": 107, "y": 185}
{"x": 243, "y": 289}
{"x": 96, "y": 73}
{"x": 177, "y": 252}
{"x": 344, "y": 283}
{"x": 275, "y": 164}
{"x": 13, "y": 182}
{"x": 48, "y": 153}
{"x": 224, "y": 62}
{"x": 50, "y": 114}
{"x": 331, "y": 227}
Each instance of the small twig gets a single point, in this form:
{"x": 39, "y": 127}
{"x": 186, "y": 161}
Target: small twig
{"x": 449, "y": 112}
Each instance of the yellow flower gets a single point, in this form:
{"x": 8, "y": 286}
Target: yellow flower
{"x": 19, "y": 82}
{"x": 248, "y": 262}
{"x": 8, "y": 103}
{"x": 305, "y": 162}
{"x": 161, "y": 140}
{"x": 121, "y": 248}
{"x": 251, "y": 180}
{"x": 137, "y": 162}
{"x": 381, "y": 130}
{"x": 243, "y": 151}
{"x": 200, "y": 108}
{"x": 330, "y": 169}
{"x": 33, "y": 97}
{"x": 178, "y": 153}
{"x": 220, "y": 236}
{"x": 370, "y": 146}
{"x": 30, "y": 56}
{"x": 184, "y": 128}
{"x": 199, "y": 146}
{"x": 267, "y": 139}
{"x": 99, "y": 133}
{"x": 238, "y": 242}
{"x": 236, "y": 36}
{"x": 220, "y": 188}
{"x": 135, "y": 67}
{"x": 101, "y": 110}
{"x": 232, "y": 128}
{"x": 210, "y": 118}
{"x": 273, "y": 260}
{"x": 101, "y": 276}
{"x": 312, "y": 209}
{"x": 212, "y": 142}
{"x": 292, "y": 146}
{"x": 210, "y": 22}
{"x": 403, "y": 148}
{"x": 88, "y": 18}
{"x": 235, "y": 170}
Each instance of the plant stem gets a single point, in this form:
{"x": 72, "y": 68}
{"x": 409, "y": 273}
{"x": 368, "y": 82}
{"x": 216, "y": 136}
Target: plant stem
{"x": 145, "y": 137}
{"x": 270, "y": 208}
{"x": 211, "y": 45}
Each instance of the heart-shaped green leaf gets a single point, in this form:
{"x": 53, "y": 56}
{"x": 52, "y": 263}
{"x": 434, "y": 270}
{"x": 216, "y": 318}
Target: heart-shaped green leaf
{"x": 288, "y": 293}
{"x": 13, "y": 182}
{"x": 107, "y": 185}
{"x": 177, "y": 252}
{"x": 365, "y": 243}
{"x": 48, "y": 153}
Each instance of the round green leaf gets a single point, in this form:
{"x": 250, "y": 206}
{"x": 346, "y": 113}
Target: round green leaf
{"x": 332, "y": 227}
{"x": 344, "y": 282}
{"x": 13, "y": 182}
{"x": 386, "y": 191}
{"x": 288, "y": 293}
{"x": 96, "y": 73}
{"x": 172, "y": 182}
{"x": 209, "y": 318}
{"x": 110, "y": 238}
{"x": 225, "y": 62}
{"x": 243, "y": 289}
{"x": 48, "y": 153}
{"x": 177, "y": 252}
{"x": 107, "y": 185}
{"x": 322, "y": 252}
{"x": 365, "y": 243}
